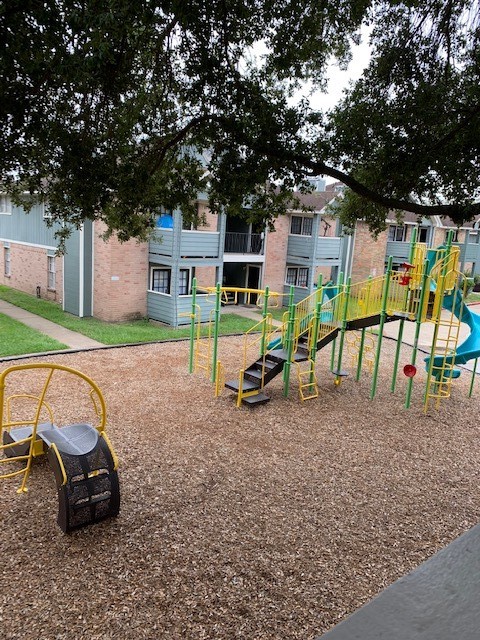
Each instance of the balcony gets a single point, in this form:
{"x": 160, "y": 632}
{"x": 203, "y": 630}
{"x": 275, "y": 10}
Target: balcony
{"x": 322, "y": 250}
{"x": 251, "y": 243}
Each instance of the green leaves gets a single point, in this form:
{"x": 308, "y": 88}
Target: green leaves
{"x": 107, "y": 105}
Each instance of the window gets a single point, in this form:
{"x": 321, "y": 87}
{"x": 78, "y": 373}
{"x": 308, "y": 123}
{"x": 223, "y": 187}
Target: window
{"x": 193, "y": 224}
{"x": 297, "y": 276}
{"x": 45, "y": 212}
{"x": 51, "y": 273}
{"x": 455, "y": 235}
{"x": 160, "y": 280}
{"x": 7, "y": 262}
{"x": 423, "y": 234}
{"x": 183, "y": 282}
{"x": 5, "y": 205}
{"x": 397, "y": 233}
{"x": 301, "y": 226}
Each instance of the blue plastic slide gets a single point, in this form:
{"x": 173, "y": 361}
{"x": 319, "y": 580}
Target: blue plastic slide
{"x": 470, "y": 348}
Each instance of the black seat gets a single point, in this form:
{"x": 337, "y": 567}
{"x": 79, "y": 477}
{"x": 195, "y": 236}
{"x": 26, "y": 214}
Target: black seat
{"x": 74, "y": 440}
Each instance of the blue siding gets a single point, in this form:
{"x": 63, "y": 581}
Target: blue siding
{"x": 320, "y": 249}
{"x": 328, "y": 249}
{"x": 71, "y": 275}
{"x": 87, "y": 267}
{"x": 300, "y": 246}
{"x": 30, "y": 227}
{"x": 398, "y": 250}
{"x": 160, "y": 306}
{"x": 200, "y": 244}
{"x": 299, "y": 293}
{"x": 194, "y": 244}
{"x": 472, "y": 252}
{"x": 163, "y": 243}
{"x": 184, "y": 305}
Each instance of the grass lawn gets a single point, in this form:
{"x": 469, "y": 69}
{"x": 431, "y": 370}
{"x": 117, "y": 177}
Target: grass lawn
{"x": 17, "y": 339}
{"x": 112, "y": 333}
{"x": 473, "y": 297}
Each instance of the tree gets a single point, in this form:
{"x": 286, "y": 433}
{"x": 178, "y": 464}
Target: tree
{"x": 111, "y": 109}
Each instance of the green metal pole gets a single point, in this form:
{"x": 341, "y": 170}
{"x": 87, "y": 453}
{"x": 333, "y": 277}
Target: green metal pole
{"x": 334, "y": 342}
{"x": 343, "y": 330}
{"x": 192, "y": 326}
{"x": 397, "y": 353}
{"x": 360, "y": 355}
{"x": 418, "y": 325}
{"x": 402, "y": 320}
{"x": 383, "y": 315}
{"x": 473, "y": 378}
{"x": 264, "y": 326}
{"x": 289, "y": 342}
{"x": 218, "y": 297}
{"x": 316, "y": 325}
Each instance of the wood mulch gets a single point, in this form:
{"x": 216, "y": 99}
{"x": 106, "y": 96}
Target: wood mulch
{"x": 267, "y": 523}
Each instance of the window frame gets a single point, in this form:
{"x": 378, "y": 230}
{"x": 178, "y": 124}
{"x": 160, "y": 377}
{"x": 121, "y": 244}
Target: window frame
{"x": 5, "y": 205}
{"x": 301, "y": 274}
{"x": 395, "y": 228}
{"x": 51, "y": 274}
{"x": 168, "y": 270}
{"x": 187, "y": 272}
{"x": 7, "y": 262}
{"x": 46, "y": 215}
{"x": 304, "y": 226}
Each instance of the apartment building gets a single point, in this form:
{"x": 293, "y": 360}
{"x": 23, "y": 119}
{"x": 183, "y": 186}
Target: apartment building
{"x": 117, "y": 281}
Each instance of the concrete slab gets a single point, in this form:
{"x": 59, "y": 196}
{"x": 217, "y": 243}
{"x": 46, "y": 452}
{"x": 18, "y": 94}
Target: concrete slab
{"x": 440, "y": 600}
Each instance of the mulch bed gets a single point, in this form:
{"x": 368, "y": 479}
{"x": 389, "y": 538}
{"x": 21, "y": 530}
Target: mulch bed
{"x": 266, "y": 523}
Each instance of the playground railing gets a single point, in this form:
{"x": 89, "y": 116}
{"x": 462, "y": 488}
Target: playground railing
{"x": 203, "y": 347}
{"x": 330, "y": 316}
{"x": 260, "y": 334}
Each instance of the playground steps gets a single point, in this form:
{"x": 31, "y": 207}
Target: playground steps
{"x": 84, "y": 469}
{"x": 258, "y": 398}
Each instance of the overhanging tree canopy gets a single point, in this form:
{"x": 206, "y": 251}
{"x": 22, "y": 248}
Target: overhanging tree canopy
{"x": 113, "y": 108}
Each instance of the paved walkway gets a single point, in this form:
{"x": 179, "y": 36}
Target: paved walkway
{"x": 72, "y": 339}
{"x": 75, "y": 340}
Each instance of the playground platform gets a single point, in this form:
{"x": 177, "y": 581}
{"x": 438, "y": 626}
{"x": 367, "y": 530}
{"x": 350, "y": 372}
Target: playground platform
{"x": 437, "y": 601}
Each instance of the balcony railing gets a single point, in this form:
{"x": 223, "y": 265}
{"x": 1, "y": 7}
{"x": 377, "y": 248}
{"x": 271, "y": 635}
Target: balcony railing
{"x": 243, "y": 243}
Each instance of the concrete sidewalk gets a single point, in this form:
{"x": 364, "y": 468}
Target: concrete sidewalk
{"x": 72, "y": 339}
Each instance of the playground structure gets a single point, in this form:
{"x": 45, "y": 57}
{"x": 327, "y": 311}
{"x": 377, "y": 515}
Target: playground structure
{"x": 428, "y": 288}
{"x": 80, "y": 454}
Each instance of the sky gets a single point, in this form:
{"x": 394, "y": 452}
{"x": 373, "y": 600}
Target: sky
{"x": 338, "y": 80}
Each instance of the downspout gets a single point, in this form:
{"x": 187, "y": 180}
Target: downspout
{"x": 81, "y": 280}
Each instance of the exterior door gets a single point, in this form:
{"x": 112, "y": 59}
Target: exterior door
{"x": 253, "y": 280}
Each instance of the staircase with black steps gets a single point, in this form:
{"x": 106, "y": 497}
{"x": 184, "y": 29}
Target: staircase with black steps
{"x": 272, "y": 364}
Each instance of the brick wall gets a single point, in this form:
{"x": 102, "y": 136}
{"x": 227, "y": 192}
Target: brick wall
{"x": 211, "y": 219}
{"x": 29, "y": 270}
{"x": 369, "y": 254}
{"x": 120, "y": 278}
{"x": 205, "y": 276}
{"x": 276, "y": 255}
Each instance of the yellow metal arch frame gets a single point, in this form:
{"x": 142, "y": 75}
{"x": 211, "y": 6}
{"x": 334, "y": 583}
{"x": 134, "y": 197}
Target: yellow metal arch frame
{"x": 6, "y": 422}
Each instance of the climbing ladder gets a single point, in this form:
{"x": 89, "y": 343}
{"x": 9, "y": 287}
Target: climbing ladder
{"x": 440, "y": 364}
{"x": 80, "y": 454}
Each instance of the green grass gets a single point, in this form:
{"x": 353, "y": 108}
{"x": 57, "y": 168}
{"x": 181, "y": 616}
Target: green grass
{"x": 112, "y": 333}
{"x": 473, "y": 297}
{"x": 17, "y": 339}
{"x": 277, "y": 314}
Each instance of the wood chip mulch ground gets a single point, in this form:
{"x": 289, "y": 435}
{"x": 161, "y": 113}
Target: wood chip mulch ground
{"x": 267, "y": 523}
